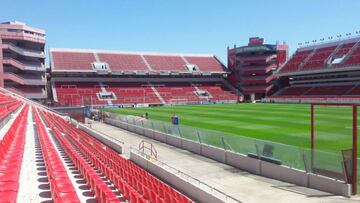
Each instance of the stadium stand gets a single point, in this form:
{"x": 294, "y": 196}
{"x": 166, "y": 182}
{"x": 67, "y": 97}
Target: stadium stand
{"x": 317, "y": 59}
{"x": 110, "y": 177}
{"x": 323, "y": 72}
{"x": 205, "y": 64}
{"x": 74, "y": 94}
{"x": 135, "y": 183}
{"x": 166, "y": 63}
{"x": 354, "y": 58}
{"x": 119, "y": 62}
{"x": 73, "y": 61}
{"x": 339, "y": 54}
{"x": 296, "y": 60}
{"x": 129, "y": 78}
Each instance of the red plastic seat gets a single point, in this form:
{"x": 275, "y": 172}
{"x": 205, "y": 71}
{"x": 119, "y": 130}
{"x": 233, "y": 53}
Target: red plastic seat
{"x": 67, "y": 197}
{"x": 8, "y": 196}
{"x": 9, "y": 186}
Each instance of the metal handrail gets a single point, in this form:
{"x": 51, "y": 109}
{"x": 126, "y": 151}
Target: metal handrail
{"x": 149, "y": 146}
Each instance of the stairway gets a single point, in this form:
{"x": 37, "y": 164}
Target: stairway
{"x": 307, "y": 59}
{"x": 351, "y": 51}
{"x": 232, "y": 88}
{"x": 328, "y": 60}
{"x": 197, "y": 89}
{"x": 54, "y": 93}
{"x": 102, "y": 87}
{"x": 157, "y": 93}
{"x": 146, "y": 63}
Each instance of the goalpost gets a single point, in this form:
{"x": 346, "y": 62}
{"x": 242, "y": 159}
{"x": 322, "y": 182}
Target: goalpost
{"x": 334, "y": 131}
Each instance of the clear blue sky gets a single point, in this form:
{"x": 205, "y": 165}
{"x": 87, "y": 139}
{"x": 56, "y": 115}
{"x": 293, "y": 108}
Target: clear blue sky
{"x": 186, "y": 26}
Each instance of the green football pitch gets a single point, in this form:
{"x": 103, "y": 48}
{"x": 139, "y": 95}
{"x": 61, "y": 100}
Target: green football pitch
{"x": 287, "y": 124}
{"x": 282, "y": 123}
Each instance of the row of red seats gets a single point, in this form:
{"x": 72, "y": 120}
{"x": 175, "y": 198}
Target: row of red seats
{"x": 354, "y": 58}
{"x": 135, "y": 183}
{"x": 62, "y": 190}
{"x": 329, "y": 90}
{"x": 318, "y": 60}
{"x": 129, "y": 93}
{"x": 205, "y": 63}
{"x": 119, "y": 62}
{"x": 6, "y": 99}
{"x": 101, "y": 190}
{"x": 5, "y": 110}
{"x": 72, "y": 60}
{"x": 127, "y": 183}
{"x": 11, "y": 154}
{"x": 66, "y": 60}
{"x": 91, "y": 153}
{"x": 344, "y": 49}
{"x": 177, "y": 92}
{"x": 172, "y": 63}
{"x": 295, "y": 90}
{"x": 218, "y": 91}
{"x": 295, "y": 61}
{"x": 335, "y": 90}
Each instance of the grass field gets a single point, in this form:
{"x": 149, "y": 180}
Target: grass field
{"x": 282, "y": 123}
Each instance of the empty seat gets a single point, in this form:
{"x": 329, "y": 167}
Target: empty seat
{"x": 11, "y": 154}
{"x": 133, "y": 182}
{"x": 80, "y": 61}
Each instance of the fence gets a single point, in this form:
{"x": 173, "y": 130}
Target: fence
{"x": 291, "y": 156}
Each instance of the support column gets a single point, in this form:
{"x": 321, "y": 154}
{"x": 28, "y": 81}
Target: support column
{"x": 312, "y": 137}
{"x": 354, "y": 151}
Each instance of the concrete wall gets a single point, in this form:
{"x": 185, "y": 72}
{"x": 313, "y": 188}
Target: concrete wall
{"x": 213, "y": 153}
{"x": 174, "y": 141}
{"x": 284, "y": 173}
{"x": 191, "y": 146}
{"x": 149, "y": 133}
{"x": 329, "y": 185}
{"x": 159, "y": 136}
{"x": 243, "y": 162}
{"x": 189, "y": 189}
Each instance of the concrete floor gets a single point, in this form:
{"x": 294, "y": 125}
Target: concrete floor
{"x": 244, "y": 186}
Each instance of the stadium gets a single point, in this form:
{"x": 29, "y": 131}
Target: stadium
{"x": 274, "y": 123}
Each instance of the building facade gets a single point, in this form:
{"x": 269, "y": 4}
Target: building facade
{"x": 22, "y": 59}
{"x": 253, "y": 67}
